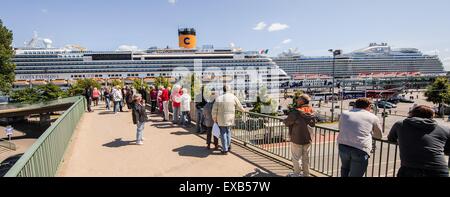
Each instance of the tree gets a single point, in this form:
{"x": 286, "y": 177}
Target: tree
{"x": 50, "y": 92}
{"x": 161, "y": 81}
{"x": 78, "y": 87}
{"x": 439, "y": 92}
{"x": 139, "y": 84}
{"x": 264, "y": 104}
{"x": 26, "y": 95}
{"x": 7, "y": 67}
{"x": 42, "y": 93}
{"x": 117, "y": 82}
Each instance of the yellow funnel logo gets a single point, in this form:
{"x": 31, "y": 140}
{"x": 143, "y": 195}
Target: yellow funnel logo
{"x": 187, "y": 41}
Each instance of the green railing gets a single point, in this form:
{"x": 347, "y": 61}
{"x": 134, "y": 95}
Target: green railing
{"x": 42, "y": 159}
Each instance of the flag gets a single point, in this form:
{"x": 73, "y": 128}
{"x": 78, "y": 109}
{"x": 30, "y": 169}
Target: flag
{"x": 264, "y": 51}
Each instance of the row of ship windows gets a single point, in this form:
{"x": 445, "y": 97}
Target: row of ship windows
{"x": 125, "y": 67}
{"x": 358, "y": 63}
{"x": 359, "y": 67}
{"x": 146, "y": 62}
{"x": 148, "y": 75}
{"x": 120, "y": 64}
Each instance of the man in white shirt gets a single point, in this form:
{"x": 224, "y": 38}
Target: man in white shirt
{"x": 356, "y": 129}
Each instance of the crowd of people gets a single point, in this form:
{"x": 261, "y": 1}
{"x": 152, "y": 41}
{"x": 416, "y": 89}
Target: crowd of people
{"x": 210, "y": 109}
{"x": 423, "y": 143}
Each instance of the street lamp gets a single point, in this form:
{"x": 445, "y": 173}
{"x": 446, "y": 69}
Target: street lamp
{"x": 335, "y": 53}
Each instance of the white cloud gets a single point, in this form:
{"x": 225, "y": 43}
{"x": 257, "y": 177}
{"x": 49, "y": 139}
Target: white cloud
{"x": 277, "y": 27}
{"x": 447, "y": 50}
{"x": 260, "y": 26}
{"x": 447, "y": 59}
{"x": 127, "y": 48}
{"x": 45, "y": 11}
{"x": 173, "y": 2}
{"x": 433, "y": 52}
{"x": 287, "y": 41}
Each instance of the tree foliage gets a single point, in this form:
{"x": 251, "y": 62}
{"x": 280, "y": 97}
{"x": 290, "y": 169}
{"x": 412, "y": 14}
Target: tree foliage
{"x": 265, "y": 104}
{"x": 439, "y": 91}
{"x": 78, "y": 87}
{"x": 42, "y": 93}
{"x": 7, "y": 67}
{"x": 162, "y": 81}
{"x": 138, "y": 84}
{"x": 117, "y": 82}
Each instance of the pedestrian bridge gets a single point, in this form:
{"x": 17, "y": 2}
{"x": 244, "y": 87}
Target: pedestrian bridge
{"x": 102, "y": 143}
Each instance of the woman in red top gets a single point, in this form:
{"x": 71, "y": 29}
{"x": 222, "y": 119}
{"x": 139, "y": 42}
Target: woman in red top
{"x": 95, "y": 96}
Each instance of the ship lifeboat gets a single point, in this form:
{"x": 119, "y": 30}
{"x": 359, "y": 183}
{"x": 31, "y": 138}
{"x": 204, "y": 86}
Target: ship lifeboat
{"x": 21, "y": 83}
{"x": 38, "y": 82}
{"x": 59, "y": 82}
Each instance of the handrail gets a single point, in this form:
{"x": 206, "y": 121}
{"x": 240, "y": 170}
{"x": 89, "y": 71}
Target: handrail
{"x": 269, "y": 134}
{"x": 45, "y": 155}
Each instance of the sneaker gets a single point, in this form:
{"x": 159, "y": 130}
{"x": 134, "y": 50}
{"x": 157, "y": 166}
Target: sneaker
{"x": 143, "y": 138}
{"x": 140, "y": 143}
{"x": 224, "y": 152}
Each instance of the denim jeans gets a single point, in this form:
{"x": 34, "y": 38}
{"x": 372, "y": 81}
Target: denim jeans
{"x": 185, "y": 118}
{"x": 176, "y": 115}
{"x": 225, "y": 138}
{"x": 139, "y": 131}
{"x": 199, "y": 119}
{"x": 116, "y": 106}
{"x": 354, "y": 161}
{"x": 414, "y": 172}
{"x": 107, "y": 103}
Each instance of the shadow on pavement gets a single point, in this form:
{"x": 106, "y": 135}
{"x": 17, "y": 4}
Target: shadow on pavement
{"x": 194, "y": 151}
{"x": 259, "y": 173}
{"x": 165, "y": 126}
{"x": 119, "y": 143}
{"x": 106, "y": 112}
{"x": 181, "y": 133}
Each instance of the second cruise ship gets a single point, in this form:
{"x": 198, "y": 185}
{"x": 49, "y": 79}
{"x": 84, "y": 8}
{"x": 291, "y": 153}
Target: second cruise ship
{"x": 377, "y": 59}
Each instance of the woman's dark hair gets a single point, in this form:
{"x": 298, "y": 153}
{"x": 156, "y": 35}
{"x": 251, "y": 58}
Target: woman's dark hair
{"x": 362, "y": 103}
{"x": 422, "y": 111}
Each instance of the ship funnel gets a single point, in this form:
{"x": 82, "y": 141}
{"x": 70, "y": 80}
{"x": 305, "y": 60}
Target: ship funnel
{"x": 187, "y": 38}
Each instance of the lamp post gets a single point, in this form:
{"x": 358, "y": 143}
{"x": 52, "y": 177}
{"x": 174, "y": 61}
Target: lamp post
{"x": 335, "y": 53}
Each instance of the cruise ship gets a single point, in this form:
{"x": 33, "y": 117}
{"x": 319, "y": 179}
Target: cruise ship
{"x": 375, "y": 60}
{"x": 40, "y": 63}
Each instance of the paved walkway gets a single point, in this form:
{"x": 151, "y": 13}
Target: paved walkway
{"x": 103, "y": 145}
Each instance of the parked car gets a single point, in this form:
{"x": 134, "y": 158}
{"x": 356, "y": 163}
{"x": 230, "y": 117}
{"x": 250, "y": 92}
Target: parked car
{"x": 385, "y": 104}
{"x": 8, "y": 163}
{"x": 393, "y": 100}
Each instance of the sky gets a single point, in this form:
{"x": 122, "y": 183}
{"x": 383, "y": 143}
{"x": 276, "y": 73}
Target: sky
{"x": 311, "y": 26}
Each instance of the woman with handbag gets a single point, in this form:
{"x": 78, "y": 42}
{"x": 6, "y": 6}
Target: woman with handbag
{"x": 208, "y": 122}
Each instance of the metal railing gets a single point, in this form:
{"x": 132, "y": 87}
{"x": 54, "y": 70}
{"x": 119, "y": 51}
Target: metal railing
{"x": 269, "y": 134}
{"x": 42, "y": 159}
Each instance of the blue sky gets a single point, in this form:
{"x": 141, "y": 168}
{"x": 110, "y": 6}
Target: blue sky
{"x": 312, "y": 26}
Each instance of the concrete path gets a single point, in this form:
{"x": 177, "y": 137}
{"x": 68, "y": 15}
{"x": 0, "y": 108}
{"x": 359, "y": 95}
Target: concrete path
{"x": 104, "y": 145}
